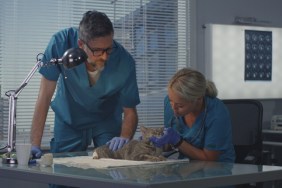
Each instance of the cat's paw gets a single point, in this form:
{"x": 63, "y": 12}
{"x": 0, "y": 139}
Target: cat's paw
{"x": 95, "y": 155}
{"x": 162, "y": 158}
{"x": 156, "y": 158}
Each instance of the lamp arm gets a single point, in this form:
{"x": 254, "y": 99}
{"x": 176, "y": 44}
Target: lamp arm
{"x": 29, "y": 76}
{"x": 71, "y": 58}
{"x": 13, "y": 95}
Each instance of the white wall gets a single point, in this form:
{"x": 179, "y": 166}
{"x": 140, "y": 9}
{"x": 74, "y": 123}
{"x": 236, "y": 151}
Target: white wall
{"x": 224, "y": 12}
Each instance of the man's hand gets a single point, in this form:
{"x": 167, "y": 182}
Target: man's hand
{"x": 36, "y": 152}
{"x": 117, "y": 143}
{"x": 170, "y": 136}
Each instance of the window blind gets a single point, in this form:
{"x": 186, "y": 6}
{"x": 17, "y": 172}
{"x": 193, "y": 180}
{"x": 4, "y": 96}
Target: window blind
{"x": 153, "y": 31}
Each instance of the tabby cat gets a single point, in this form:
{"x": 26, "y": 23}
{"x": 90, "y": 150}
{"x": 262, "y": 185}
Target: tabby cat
{"x": 137, "y": 150}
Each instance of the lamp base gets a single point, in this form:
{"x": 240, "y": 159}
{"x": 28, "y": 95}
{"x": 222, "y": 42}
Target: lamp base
{"x": 9, "y": 161}
{"x": 9, "y": 158}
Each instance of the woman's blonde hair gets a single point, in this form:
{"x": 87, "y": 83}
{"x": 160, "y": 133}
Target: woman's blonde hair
{"x": 191, "y": 84}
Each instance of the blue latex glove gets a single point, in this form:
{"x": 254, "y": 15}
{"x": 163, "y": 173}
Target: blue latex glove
{"x": 170, "y": 136}
{"x": 117, "y": 143}
{"x": 36, "y": 152}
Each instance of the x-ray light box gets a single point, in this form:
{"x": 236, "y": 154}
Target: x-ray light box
{"x": 244, "y": 61}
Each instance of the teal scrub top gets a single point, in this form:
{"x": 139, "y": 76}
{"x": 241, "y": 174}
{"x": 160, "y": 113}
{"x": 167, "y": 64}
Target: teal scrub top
{"x": 80, "y": 105}
{"x": 212, "y": 129}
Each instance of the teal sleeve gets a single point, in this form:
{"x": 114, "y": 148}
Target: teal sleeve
{"x": 58, "y": 44}
{"x": 218, "y": 129}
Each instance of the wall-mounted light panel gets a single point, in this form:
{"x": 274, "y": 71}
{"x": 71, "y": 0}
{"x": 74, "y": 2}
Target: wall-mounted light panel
{"x": 244, "y": 61}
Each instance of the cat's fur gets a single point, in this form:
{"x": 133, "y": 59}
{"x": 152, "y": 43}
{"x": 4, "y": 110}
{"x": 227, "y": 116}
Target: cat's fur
{"x": 137, "y": 150}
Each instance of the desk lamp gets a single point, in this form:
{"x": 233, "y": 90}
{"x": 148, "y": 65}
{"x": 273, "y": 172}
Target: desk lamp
{"x": 71, "y": 58}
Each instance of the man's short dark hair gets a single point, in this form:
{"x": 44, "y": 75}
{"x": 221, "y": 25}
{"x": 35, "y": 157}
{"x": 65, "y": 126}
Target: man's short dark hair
{"x": 94, "y": 24}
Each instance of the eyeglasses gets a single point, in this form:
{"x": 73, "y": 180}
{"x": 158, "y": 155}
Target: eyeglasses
{"x": 98, "y": 51}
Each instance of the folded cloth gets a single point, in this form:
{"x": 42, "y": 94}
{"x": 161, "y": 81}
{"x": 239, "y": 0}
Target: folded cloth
{"x": 86, "y": 162}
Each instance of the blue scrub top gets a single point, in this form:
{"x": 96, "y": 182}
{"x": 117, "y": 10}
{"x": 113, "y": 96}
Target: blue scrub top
{"x": 80, "y": 105}
{"x": 212, "y": 129}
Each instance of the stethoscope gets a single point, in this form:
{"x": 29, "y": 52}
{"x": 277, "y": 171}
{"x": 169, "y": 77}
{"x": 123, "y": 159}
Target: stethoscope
{"x": 200, "y": 130}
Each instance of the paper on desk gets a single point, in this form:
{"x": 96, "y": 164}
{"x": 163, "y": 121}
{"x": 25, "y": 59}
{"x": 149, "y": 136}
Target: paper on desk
{"x": 87, "y": 162}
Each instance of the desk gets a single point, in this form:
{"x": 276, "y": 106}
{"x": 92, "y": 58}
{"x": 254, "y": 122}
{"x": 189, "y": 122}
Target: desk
{"x": 272, "y": 142}
{"x": 271, "y": 132}
{"x": 185, "y": 174}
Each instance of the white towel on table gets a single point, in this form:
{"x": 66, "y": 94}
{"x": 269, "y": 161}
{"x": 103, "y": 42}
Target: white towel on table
{"x": 86, "y": 162}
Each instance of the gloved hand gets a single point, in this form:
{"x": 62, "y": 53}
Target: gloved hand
{"x": 117, "y": 143}
{"x": 36, "y": 152}
{"x": 170, "y": 136}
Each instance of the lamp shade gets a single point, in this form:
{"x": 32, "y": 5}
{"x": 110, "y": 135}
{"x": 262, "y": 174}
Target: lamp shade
{"x": 73, "y": 57}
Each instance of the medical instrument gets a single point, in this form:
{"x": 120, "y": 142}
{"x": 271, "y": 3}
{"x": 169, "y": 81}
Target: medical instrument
{"x": 276, "y": 122}
{"x": 177, "y": 124}
{"x": 201, "y": 129}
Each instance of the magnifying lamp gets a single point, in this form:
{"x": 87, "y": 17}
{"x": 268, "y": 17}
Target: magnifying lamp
{"x": 71, "y": 58}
